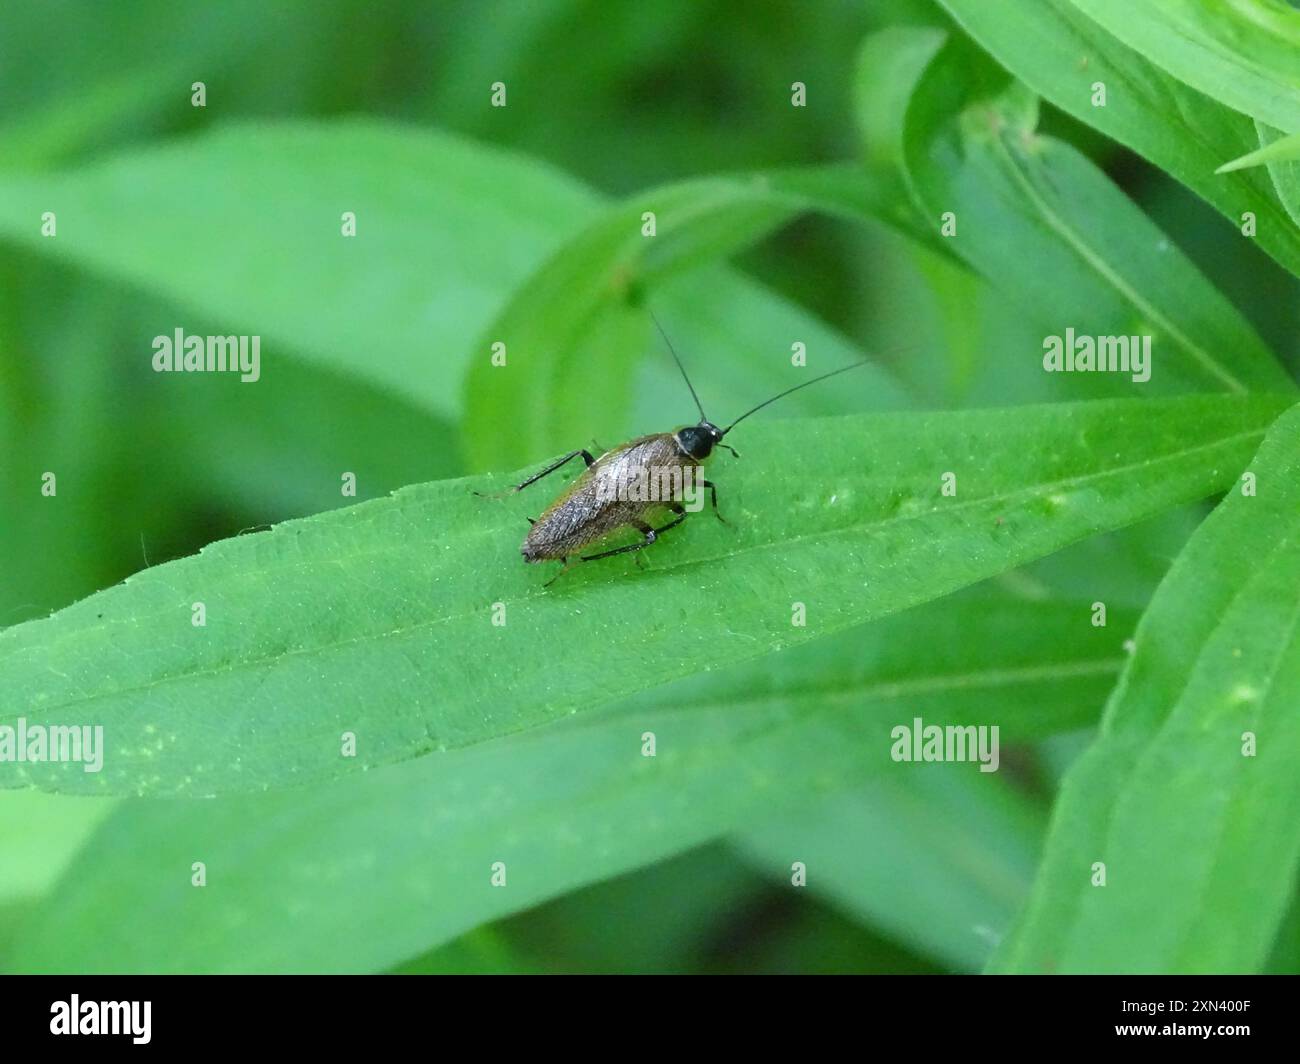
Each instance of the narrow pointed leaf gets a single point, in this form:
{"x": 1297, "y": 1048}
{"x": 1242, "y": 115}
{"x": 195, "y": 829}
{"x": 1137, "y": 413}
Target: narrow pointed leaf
{"x": 1064, "y": 56}
{"x": 572, "y": 334}
{"x": 358, "y": 874}
{"x": 1038, "y": 219}
{"x": 1189, "y": 801}
{"x": 243, "y": 226}
{"x": 378, "y": 620}
{"x": 1281, "y": 149}
{"x": 1239, "y": 52}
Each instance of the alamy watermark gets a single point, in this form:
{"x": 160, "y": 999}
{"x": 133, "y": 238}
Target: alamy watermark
{"x": 666, "y": 483}
{"x": 77, "y": 1017}
{"x": 38, "y": 743}
{"x": 1098, "y": 354}
{"x": 951, "y": 742}
{"x": 179, "y": 353}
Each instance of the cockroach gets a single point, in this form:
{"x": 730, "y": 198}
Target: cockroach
{"x": 604, "y": 500}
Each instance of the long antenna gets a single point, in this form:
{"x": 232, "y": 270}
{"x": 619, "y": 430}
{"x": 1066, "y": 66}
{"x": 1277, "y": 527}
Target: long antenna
{"x": 703, "y": 415}
{"x": 782, "y": 395}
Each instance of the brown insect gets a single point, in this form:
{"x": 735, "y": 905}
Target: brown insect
{"x": 628, "y": 485}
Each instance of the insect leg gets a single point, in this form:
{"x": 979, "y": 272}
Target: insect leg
{"x": 586, "y": 457}
{"x": 651, "y": 534}
{"x": 564, "y": 568}
{"x": 676, "y": 508}
{"x": 713, "y": 496}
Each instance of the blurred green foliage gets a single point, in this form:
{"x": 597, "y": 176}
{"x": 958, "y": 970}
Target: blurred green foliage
{"x": 816, "y": 222}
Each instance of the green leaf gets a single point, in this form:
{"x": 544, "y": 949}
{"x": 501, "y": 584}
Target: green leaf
{"x": 61, "y": 127}
{"x": 483, "y": 951}
{"x": 242, "y": 225}
{"x": 1120, "y": 568}
{"x": 54, "y": 412}
{"x": 1279, "y": 148}
{"x": 368, "y": 870}
{"x": 938, "y": 856}
{"x": 736, "y": 338}
{"x": 291, "y": 458}
{"x": 479, "y": 221}
{"x": 942, "y": 859}
{"x": 123, "y": 72}
{"x": 708, "y": 886}
{"x": 572, "y": 334}
{"x": 1241, "y": 53}
{"x": 853, "y": 525}
{"x": 1061, "y": 54}
{"x": 1285, "y": 956}
{"x": 1039, "y": 220}
{"x": 39, "y": 834}
{"x": 1282, "y": 156}
{"x": 890, "y": 65}
{"x": 1199, "y": 835}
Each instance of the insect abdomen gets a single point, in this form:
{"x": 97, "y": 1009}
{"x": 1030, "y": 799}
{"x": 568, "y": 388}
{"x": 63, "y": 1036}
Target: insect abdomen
{"x": 594, "y": 507}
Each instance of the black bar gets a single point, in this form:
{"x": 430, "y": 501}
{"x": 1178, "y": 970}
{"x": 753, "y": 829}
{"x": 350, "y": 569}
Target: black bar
{"x": 342, "y": 1013}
